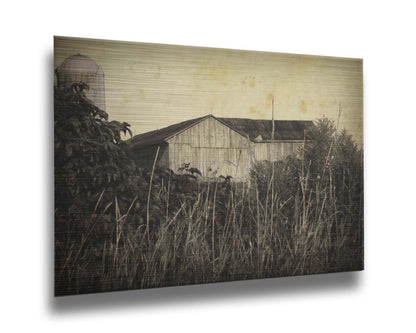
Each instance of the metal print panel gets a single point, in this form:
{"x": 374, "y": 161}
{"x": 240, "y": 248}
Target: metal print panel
{"x": 185, "y": 165}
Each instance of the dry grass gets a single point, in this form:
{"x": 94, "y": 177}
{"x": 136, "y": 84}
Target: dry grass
{"x": 293, "y": 217}
{"x": 226, "y": 232}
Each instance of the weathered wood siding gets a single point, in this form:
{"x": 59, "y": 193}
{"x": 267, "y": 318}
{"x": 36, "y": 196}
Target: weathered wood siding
{"x": 275, "y": 151}
{"x": 213, "y": 148}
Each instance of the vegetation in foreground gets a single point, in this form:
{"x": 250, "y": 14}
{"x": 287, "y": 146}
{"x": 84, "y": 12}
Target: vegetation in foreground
{"x": 119, "y": 227}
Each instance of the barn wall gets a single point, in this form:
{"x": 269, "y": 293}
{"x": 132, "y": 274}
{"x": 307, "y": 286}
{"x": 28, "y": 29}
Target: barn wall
{"x": 276, "y": 150}
{"x": 145, "y": 156}
{"x": 213, "y": 148}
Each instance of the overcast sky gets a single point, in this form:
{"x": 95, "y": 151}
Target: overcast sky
{"x": 152, "y": 86}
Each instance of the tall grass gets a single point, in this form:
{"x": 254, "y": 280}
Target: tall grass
{"x": 223, "y": 232}
{"x": 298, "y": 216}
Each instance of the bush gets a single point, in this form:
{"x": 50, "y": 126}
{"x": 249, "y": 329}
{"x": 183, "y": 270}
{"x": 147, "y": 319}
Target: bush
{"x": 89, "y": 153}
{"x": 315, "y": 203}
{"x": 121, "y": 227}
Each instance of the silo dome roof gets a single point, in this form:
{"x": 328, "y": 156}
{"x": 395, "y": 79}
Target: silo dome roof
{"x": 79, "y": 64}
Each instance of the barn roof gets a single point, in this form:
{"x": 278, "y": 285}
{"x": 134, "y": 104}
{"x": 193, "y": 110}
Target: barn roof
{"x": 161, "y": 135}
{"x": 256, "y": 130}
{"x": 261, "y": 130}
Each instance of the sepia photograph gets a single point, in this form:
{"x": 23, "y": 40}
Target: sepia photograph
{"x": 178, "y": 165}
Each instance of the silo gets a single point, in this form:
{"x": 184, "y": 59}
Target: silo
{"x": 79, "y": 68}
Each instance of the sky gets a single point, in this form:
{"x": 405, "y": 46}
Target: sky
{"x": 152, "y": 86}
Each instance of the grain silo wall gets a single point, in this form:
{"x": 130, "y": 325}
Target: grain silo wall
{"x": 79, "y": 68}
{"x": 95, "y": 81}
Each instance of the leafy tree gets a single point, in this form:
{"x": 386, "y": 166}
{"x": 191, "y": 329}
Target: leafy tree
{"x": 334, "y": 158}
{"x": 89, "y": 153}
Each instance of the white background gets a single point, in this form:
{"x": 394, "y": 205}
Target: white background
{"x": 379, "y": 299}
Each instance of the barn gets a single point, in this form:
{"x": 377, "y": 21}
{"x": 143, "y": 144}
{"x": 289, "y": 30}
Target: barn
{"x": 218, "y": 146}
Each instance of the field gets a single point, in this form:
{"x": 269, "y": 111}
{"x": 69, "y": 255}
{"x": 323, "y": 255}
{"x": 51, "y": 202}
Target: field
{"x": 120, "y": 227}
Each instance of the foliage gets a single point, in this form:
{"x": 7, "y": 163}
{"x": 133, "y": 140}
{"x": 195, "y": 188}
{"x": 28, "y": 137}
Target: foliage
{"x": 121, "y": 227}
{"x": 89, "y": 153}
{"x": 321, "y": 193}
